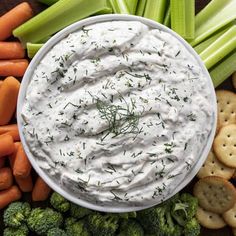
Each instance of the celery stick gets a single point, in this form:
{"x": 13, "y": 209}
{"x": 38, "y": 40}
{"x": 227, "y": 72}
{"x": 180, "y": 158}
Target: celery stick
{"x": 48, "y": 2}
{"x": 132, "y": 5}
{"x": 155, "y": 10}
{"x": 214, "y": 16}
{"x": 182, "y": 17}
{"x": 167, "y": 17}
{"x": 225, "y": 44}
{"x": 203, "y": 45}
{"x": 119, "y": 6}
{"x": 56, "y": 17}
{"x": 32, "y": 49}
{"x": 141, "y": 7}
{"x": 224, "y": 69}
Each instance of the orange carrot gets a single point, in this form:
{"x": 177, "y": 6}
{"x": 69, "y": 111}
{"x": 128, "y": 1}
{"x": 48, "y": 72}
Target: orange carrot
{"x": 22, "y": 166}
{"x": 10, "y": 195}
{"x": 41, "y": 190}
{"x": 25, "y": 184}
{"x": 6, "y": 178}
{"x": 13, "y": 67}
{"x": 11, "y": 130}
{"x": 12, "y": 157}
{"x": 11, "y": 50}
{"x": 8, "y": 99}
{"x": 1, "y": 83}
{"x": 13, "y": 18}
{"x": 6, "y": 145}
{"x": 2, "y": 162}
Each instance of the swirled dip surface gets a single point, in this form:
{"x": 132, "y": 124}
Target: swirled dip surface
{"x": 118, "y": 112}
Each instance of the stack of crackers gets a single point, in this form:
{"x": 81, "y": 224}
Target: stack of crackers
{"x": 214, "y": 190}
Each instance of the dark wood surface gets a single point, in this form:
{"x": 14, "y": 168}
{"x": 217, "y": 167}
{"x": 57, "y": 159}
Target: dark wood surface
{"x": 6, "y": 5}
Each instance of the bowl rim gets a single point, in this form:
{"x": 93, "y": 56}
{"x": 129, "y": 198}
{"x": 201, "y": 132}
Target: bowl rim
{"x": 44, "y": 50}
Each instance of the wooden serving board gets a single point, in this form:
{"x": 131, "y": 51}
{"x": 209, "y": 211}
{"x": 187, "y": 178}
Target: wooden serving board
{"x": 6, "y": 5}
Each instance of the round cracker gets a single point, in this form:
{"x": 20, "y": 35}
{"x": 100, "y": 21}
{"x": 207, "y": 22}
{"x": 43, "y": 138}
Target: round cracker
{"x": 209, "y": 219}
{"x": 226, "y": 103}
{"x": 234, "y": 79}
{"x": 213, "y": 167}
{"x": 215, "y": 194}
{"x": 230, "y": 216}
{"x": 225, "y": 145}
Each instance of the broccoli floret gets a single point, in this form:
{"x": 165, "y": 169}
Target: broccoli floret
{"x": 102, "y": 225}
{"x": 184, "y": 208}
{"x": 192, "y": 228}
{"x": 16, "y": 214}
{"x": 69, "y": 221}
{"x": 78, "y": 212}
{"x": 59, "y": 203}
{"x": 20, "y": 231}
{"x": 41, "y": 220}
{"x": 56, "y": 232}
{"x": 130, "y": 228}
{"x": 127, "y": 215}
{"x": 76, "y": 228}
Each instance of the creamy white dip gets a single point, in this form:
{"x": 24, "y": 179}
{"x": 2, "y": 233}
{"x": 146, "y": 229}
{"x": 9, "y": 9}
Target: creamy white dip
{"x": 118, "y": 112}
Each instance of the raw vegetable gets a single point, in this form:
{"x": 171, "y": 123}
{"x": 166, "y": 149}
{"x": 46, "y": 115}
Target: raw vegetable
{"x": 214, "y": 16}
{"x": 10, "y": 195}
{"x": 16, "y": 214}
{"x": 2, "y": 162}
{"x": 41, "y": 220}
{"x": 155, "y": 10}
{"x": 192, "y": 228}
{"x": 21, "y": 231}
{"x": 59, "y": 203}
{"x": 225, "y": 44}
{"x": 130, "y": 228}
{"x": 13, "y": 67}
{"x": 78, "y": 212}
{"x": 78, "y": 228}
{"x": 141, "y": 7}
{"x": 22, "y": 166}
{"x": 132, "y": 6}
{"x": 12, "y": 157}
{"x": 41, "y": 190}
{"x": 11, "y": 50}
{"x": 1, "y": 83}
{"x": 32, "y": 49}
{"x": 223, "y": 69}
{"x": 25, "y": 184}
{"x": 12, "y": 19}
{"x": 56, "y": 232}
{"x": 57, "y": 17}
{"x": 48, "y": 2}
{"x": 6, "y": 178}
{"x": 8, "y": 99}
{"x": 167, "y": 17}
{"x": 11, "y": 130}
{"x": 182, "y": 17}
{"x": 119, "y": 6}
{"x": 7, "y": 145}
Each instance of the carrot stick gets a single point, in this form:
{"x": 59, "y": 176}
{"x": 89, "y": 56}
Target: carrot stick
{"x": 13, "y": 67}
{"x": 11, "y": 50}
{"x": 13, "y": 18}
{"x": 1, "y": 83}
{"x": 41, "y": 190}
{"x": 25, "y": 184}
{"x": 12, "y": 157}
{"x": 22, "y": 166}
{"x": 8, "y": 99}
{"x": 10, "y": 195}
{"x": 11, "y": 130}
{"x": 6, "y": 178}
{"x": 6, "y": 145}
{"x": 2, "y": 162}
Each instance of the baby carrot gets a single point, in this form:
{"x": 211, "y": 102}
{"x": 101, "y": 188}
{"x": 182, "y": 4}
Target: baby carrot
{"x": 13, "y": 18}
{"x": 11, "y": 130}
{"x": 12, "y": 157}
{"x": 6, "y": 178}
{"x": 11, "y": 50}
{"x": 8, "y": 99}
{"x": 25, "y": 184}
{"x": 22, "y": 166}
{"x": 2, "y": 162}
{"x": 41, "y": 190}
{"x": 13, "y": 67}
{"x": 10, "y": 195}
{"x": 6, "y": 145}
{"x": 1, "y": 83}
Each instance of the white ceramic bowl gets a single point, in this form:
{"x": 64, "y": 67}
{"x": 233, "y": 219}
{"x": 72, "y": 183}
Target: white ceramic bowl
{"x": 28, "y": 75}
